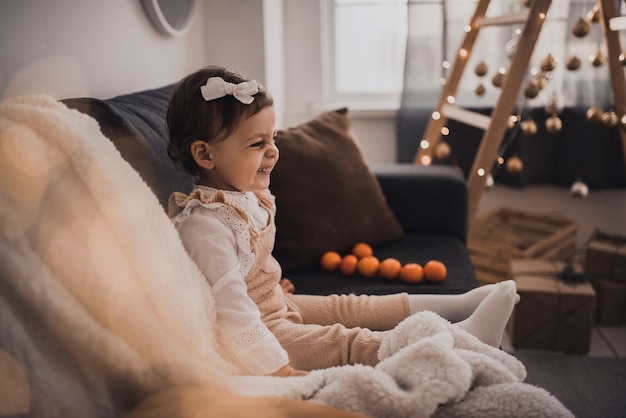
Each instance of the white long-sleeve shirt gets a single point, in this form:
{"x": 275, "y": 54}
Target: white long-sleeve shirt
{"x": 218, "y": 240}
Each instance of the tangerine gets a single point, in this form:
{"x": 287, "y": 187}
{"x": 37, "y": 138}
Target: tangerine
{"x": 412, "y": 273}
{"x": 330, "y": 261}
{"x": 435, "y": 271}
{"x": 389, "y": 268}
{"x": 362, "y": 249}
{"x": 348, "y": 263}
{"x": 368, "y": 266}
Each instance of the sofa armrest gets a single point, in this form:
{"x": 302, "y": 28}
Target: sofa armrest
{"x": 425, "y": 199}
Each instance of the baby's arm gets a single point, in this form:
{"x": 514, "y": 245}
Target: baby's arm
{"x": 211, "y": 244}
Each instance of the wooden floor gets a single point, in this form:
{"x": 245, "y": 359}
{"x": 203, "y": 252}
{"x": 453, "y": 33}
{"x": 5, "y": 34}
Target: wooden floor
{"x": 604, "y": 210}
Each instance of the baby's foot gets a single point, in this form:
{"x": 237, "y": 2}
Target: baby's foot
{"x": 454, "y": 308}
{"x": 471, "y": 299}
{"x": 489, "y": 319}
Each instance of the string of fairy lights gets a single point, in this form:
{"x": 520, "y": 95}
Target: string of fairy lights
{"x": 537, "y": 80}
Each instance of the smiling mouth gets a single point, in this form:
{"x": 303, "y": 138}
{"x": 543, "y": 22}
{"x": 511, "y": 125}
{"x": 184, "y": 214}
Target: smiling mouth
{"x": 264, "y": 170}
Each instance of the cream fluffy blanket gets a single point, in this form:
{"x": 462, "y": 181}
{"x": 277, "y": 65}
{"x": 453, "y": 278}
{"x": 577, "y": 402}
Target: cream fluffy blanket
{"x": 101, "y": 305}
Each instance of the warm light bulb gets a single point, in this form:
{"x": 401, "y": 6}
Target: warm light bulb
{"x": 451, "y": 99}
{"x": 426, "y": 160}
{"x": 467, "y": 28}
{"x": 542, "y": 16}
{"x": 463, "y": 52}
{"x": 436, "y": 115}
{"x": 445, "y": 131}
{"x": 500, "y": 160}
{"x": 424, "y": 144}
{"x": 445, "y": 64}
{"x": 481, "y": 172}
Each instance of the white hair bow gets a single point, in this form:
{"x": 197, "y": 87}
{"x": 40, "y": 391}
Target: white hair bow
{"x": 216, "y": 87}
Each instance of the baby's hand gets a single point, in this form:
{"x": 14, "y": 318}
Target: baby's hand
{"x": 288, "y": 371}
{"x": 295, "y": 372}
{"x": 287, "y": 286}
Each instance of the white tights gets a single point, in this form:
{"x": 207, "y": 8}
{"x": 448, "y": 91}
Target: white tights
{"x": 483, "y": 311}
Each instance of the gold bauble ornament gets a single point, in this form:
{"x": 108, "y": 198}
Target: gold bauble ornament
{"x": 579, "y": 189}
{"x": 514, "y": 165}
{"x": 593, "y": 15}
{"x": 573, "y": 63}
{"x": 531, "y": 91}
{"x": 555, "y": 103}
{"x": 529, "y": 127}
{"x": 554, "y": 124}
{"x": 594, "y": 114}
{"x": 480, "y": 89}
{"x": 597, "y": 59}
{"x": 497, "y": 79}
{"x": 581, "y": 28}
{"x": 548, "y": 63}
{"x": 510, "y": 48}
{"x": 540, "y": 80}
{"x": 511, "y": 121}
{"x": 442, "y": 150}
{"x": 609, "y": 119}
{"x": 481, "y": 69}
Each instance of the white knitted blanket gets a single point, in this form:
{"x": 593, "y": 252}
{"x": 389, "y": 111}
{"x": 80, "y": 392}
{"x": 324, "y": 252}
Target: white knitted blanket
{"x": 90, "y": 263}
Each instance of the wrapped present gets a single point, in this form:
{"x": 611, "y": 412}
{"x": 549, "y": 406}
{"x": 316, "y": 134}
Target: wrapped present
{"x": 556, "y": 307}
{"x": 605, "y": 257}
{"x": 611, "y": 302}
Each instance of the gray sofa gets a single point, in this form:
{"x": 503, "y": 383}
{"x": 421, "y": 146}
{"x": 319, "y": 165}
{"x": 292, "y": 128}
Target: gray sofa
{"x": 429, "y": 203}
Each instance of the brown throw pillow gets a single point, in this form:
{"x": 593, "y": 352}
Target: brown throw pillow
{"x": 327, "y": 198}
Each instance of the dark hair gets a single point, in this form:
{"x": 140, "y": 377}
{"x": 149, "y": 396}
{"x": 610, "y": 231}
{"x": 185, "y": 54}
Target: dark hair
{"x": 191, "y": 118}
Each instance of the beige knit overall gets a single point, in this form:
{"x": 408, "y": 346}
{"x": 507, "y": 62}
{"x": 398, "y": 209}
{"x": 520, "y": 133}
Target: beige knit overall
{"x": 319, "y": 331}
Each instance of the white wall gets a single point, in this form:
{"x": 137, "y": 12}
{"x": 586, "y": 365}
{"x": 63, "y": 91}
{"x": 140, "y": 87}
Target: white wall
{"x": 102, "y": 48}
{"x": 89, "y": 48}
{"x": 304, "y": 91}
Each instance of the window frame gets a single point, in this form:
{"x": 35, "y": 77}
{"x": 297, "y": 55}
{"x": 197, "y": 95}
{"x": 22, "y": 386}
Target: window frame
{"x": 330, "y": 96}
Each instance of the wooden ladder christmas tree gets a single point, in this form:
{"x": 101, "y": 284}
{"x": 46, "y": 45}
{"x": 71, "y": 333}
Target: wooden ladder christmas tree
{"x": 495, "y": 125}
{"x": 611, "y": 24}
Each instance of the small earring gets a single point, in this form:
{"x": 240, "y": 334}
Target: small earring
{"x": 211, "y": 164}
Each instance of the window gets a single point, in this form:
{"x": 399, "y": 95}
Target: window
{"x": 365, "y": 47}
{"x": 365, "y": 52}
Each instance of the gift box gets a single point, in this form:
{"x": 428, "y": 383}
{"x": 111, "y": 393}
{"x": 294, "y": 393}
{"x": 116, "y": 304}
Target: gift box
{"x": 610, "y": 303}
{"x": 605, "y": 257}
{"x": 555, "y": 311}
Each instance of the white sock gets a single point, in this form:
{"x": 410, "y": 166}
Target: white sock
{"x": 454, "y": 308}
{"x": 489, "y": 319}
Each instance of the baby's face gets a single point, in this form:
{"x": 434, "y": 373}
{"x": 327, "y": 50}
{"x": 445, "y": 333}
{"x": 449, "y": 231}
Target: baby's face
{"x": 244, "y": 160}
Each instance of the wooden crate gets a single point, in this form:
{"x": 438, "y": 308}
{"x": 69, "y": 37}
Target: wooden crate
{"x": 508, "y": 234}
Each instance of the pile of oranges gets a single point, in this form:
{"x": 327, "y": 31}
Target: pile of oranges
{"x": 362, "y": 261}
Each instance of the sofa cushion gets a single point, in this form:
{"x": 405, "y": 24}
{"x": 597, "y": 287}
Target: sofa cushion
{"x": 327, "y": 198}
{"x": 136, "y": 125}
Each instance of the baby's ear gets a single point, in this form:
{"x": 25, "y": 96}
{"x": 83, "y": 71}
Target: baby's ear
{"x": 201, "y": 155}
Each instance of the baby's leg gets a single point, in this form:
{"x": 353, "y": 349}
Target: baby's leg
{"x": 454, "y": 308}
{"x": 489, "y": 319}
